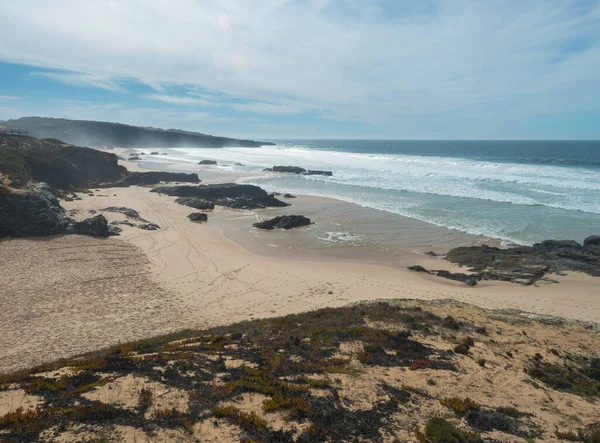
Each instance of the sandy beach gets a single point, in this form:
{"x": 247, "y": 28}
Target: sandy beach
{"x": 73, "y": 294}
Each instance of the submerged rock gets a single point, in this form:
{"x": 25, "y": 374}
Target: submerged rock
{"x": 198, "y": 216}
{"x": 207, "y": 162}
{"x": 283, "y": 222}
{"x": 154, "y": 153}
{"x": 298, "y": 170}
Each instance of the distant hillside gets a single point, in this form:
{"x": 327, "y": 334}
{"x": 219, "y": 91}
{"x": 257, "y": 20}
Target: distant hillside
{"x": 91, "y": 133}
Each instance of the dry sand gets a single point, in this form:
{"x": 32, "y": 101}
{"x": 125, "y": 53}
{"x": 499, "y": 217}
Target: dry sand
{"x": 67, "y": 295}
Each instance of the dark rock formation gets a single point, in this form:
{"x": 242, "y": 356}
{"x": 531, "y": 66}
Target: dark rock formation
{"x": 196, "y": 202}
{"x": 128, "y": 212}
{"x": 287, "y": 169}
{"x": 60, "y": 165}
{"x": 288, "y": 196}
{"x": 326, "y": 173}
{"x": 469, "y": 279}
{"x": 297, "y": 170}
{"x": 198, "y": 216}
{"x": 528, "y": 264}
{"x": 27, "y": 214}
{"x": 283, "y": 222}
{"x": 154, "y": 153}
{"x": 232, "y": 195}
{"x": 238, "y": 164}
{"x": 207, "y": 162}
{"x": 133, "y": 158}
{"x": 149, "y": 226}
{"x": 91, "y": 133}
{"x": 154, "y": 177}
{"x": 96, "y": 226}
{"x": 592, "y": 240}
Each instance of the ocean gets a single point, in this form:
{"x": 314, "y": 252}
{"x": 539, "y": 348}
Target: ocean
{"x": 517, "y": 191}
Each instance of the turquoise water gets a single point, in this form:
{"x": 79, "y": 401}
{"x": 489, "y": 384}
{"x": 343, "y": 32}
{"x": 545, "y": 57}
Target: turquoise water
{"x": 521, "y": 192}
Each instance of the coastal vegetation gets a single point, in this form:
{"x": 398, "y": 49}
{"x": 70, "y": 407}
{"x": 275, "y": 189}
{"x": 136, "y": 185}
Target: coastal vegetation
{"x": 375, "y": 371}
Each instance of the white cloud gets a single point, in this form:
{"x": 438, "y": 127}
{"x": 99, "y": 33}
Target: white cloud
{"x": 82, "y": 79}
{"x": 4, "y": 98}
{"x": 178, "y": 100}
{"x": 391, "y": 63}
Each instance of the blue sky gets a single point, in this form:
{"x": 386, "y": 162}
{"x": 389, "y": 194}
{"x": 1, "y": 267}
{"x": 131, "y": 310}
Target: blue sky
{"x": 429, "y": 69}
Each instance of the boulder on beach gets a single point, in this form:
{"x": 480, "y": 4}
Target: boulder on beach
{"x": 592, "y": 240}
{"x": 96, "y": 226}
{"x": 198, "y": 216}
{"x": 283, "y": 222}
{"x": 207, "y": 162}
{"x": 30, "y": 213}
{"x": 288, "y": 196}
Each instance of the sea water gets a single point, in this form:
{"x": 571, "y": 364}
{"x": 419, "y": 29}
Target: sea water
{"x": 518, "y": 191}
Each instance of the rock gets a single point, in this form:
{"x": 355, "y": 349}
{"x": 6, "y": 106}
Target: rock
{"x": 68, "y": 199}
{"x": 283, "y": 222}
{"x": 195, "y": 202}
{"x": 26, "y": 214}
{"x": 431, "y": 254}
{"x": 592, "y": 240}
{"x": 143, "y": 153}
{"x": 198, "y": 216}
{"x": 129, "y": 213}
{"x": 207, "y": 162}
{"x": 528, "y": 264}
{"x": 287, "y": 169}
{"x": 164, "y": 153}
{"x": 154, "y": 153}
{"x": 326, "y": 173}
{"x": 133, "y": 158}
{"x": 152, "y": 178}
{"x": 238, "y": 164}
{"x": 149, "y": 226}
{"x": 288, "y": 196}
{"x": 232, "y": 195}
{"x": 96, "y": 226}
{"x": 469, "y": 279}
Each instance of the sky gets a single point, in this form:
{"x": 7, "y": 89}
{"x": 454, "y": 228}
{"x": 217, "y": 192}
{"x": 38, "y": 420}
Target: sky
{"x": 269, "y": 69}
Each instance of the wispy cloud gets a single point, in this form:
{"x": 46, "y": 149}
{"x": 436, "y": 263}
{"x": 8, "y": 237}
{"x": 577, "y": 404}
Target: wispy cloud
{"x": 178, "y": 100}
{"x": 81, "y": 79}
{"x": 5, "y": 98}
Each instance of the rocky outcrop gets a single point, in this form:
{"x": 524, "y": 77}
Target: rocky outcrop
{"x": 31, "y": 214}
{"x": 154, "y": 153}
{"x": 96, "y": 226}
{"x": 326, "y": 173}
{"x": 198, "y": 216}
{"x": 232, "y": 195}
{"x": 283, "y": 222}
{"x": 207, "y": 162}
{"x": 60, "y": 165}
{"x": 528, "y": 264}
{"x": 297, "y": 170}
{"x": 133, "y": 158}
{"x": 592, "y": 240}
{"x": 196, "y": 203}
{"x": 469, "y": 279}
{"x": 288, "y": 196}
{"x": 154, "y": 177}
{"x": 127, "y": 212}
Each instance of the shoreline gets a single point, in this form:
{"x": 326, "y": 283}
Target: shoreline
{"x": 68, "y": 295}
{"x": 338, "y": 233}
